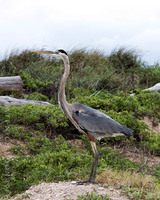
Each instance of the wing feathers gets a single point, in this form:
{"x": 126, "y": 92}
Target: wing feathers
{"x": 97, "y": 123}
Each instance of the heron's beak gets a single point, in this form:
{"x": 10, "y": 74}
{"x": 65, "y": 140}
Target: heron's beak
{"x": 45, "y": 52}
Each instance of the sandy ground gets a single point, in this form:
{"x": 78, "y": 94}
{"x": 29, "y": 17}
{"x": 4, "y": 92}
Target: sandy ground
{"x": 67, "y": 190}
{"x": 149, "y": 121}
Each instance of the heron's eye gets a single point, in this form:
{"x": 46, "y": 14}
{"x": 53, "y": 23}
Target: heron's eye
{"x": 77, "y": 113}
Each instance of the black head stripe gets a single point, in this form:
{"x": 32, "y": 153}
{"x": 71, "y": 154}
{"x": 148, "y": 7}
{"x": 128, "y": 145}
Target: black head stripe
{"x": 62, "y": 51}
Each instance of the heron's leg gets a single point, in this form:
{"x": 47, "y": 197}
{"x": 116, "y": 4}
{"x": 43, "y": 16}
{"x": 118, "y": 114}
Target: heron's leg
{"x": 95, "y": 162}
{"x": 94, "y": 165}
{"x": 92, "y": 170}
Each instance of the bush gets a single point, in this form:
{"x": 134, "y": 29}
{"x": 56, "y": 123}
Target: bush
{"x": 124, "y": 59}
{"x": 30, "y": 114}
{"x": 121, "y": 70}
{"x": 37, "y": 96}
{"x": 92, "y": 196}
{"x": 151, "y": 141}
{"x": 56, "y": 162}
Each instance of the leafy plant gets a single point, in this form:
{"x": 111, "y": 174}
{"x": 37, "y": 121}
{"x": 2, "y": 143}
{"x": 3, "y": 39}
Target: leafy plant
{"x": 92, "y": 196}
{"x": 37, "y": 96}
{"x": 18, "y": 150}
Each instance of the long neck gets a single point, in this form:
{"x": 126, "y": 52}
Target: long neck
{"x": 61, "y": 92}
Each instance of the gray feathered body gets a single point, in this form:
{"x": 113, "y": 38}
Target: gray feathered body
{"x": 95, "y": 122}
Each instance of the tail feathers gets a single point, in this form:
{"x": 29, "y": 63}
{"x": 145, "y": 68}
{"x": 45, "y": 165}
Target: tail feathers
{"x": 126, "y": 131}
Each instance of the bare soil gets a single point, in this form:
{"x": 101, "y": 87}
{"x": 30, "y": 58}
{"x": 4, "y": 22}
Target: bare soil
{"x": 149, "y": 122}
{"x": 6, "y": 143}
{"x": 67, "y": 190}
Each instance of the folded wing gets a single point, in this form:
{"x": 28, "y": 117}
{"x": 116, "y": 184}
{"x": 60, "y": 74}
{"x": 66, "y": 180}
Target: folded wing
{"x": 97, "y": 123}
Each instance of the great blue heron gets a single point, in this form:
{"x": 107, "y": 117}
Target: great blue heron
{"x": 93, "y": 123}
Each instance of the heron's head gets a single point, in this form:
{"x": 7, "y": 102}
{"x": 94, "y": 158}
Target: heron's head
{"x": 59, "y": 53}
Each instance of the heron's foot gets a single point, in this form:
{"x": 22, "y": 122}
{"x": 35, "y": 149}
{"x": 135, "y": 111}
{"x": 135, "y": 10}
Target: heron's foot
{"x": 85, "y": 182}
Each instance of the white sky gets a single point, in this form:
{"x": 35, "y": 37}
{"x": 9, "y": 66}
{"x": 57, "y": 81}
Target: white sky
{"x": 103, "y": 25}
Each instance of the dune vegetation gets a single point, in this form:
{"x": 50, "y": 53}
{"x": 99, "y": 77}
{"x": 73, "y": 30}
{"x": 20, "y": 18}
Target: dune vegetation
{"x": 48, "y": 148}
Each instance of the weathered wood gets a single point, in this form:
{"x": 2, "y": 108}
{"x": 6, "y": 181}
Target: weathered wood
{"x": 6, "y": 101}
{"x": 11, "y": 83}
{"x": 154, "y": 88}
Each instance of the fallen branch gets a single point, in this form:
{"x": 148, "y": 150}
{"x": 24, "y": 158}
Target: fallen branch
{"x": 154, "y": 88}
{"x": 11, "y": 83}
{"x": 7, "y": 101}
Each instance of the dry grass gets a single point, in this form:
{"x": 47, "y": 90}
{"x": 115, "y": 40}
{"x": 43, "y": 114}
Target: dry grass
{"x": 144, "y": 185}
{"x": 115, "y": 178}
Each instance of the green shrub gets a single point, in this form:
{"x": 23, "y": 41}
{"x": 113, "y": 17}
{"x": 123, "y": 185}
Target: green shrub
{"x": 57, "y": 160}
{"x": 16, "y": 131}
{"x": 92, "y": 196}
{"x": 151, "y": 141}
{"x": 123, "y": 108}
{"x": 123, "y": 59}
{"x": 18, "y": 150}
{"x": 39, "y": 144}
{"x": 121, "y": 70}
{"x": 30, "y": 114}
{"x": 37, "y": 96}
{"x": 149, "y": 76}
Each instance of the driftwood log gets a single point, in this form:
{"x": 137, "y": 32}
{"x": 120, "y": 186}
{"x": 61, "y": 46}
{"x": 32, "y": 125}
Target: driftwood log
{"x": 15, "y": 84}
{"x": 154, "y": 88}
{"x": 7, "y": 101}
{"x": 12, "y": 83}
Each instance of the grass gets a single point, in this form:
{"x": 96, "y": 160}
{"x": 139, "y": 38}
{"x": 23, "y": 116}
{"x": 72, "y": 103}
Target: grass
{"x": 123, "y": 70}
{"x": 135, "y": 185}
